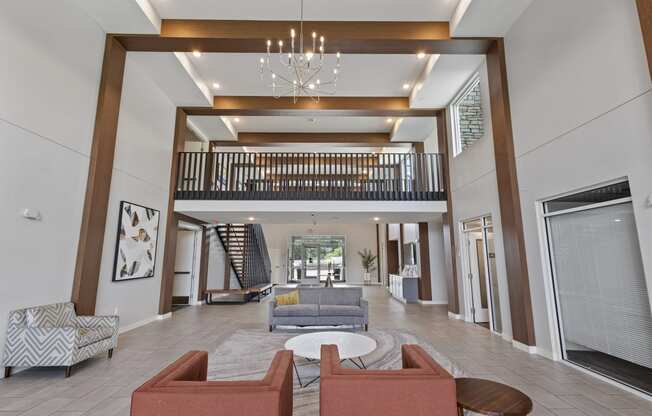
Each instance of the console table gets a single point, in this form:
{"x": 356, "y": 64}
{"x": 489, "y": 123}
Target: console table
{"x": 405, "y": 289}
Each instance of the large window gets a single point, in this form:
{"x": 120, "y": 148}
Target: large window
{"x": 467, "y": 116}
{"x": 601, "y": 296}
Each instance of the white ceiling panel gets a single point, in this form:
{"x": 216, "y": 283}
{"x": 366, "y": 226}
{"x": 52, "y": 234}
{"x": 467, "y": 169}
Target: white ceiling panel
{"x": 211, "y": 127}
{"x": 413, "y": 129}
{"x": 486, "y": 18}
{"x": 320, "y": 148}
{"x": 360, "y": 75}
{"x": 446, "y": 78}
{"x": 313, "y": 125}
{"x": 415, "y": 10}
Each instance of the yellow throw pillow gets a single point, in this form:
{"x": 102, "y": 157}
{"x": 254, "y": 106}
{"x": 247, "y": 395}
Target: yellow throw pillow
{"x": 291, "y": 298}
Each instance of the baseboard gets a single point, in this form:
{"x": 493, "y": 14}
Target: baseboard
{"x": 138, "y": 324}
{"x": 455, "y": 316}
{"x": 507, "y": 337}
{"x": 530, "y": 349}
{"x": 198, "y": 303}
{"x": 164, "y": 316}
{"x": 545, "y": 353}
{"x": 433, "y": 302}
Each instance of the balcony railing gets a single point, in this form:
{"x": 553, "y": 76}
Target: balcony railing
{"x": 310, "y": 176}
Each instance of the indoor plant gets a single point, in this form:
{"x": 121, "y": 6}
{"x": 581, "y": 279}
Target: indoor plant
{"x": 368, "y": 263}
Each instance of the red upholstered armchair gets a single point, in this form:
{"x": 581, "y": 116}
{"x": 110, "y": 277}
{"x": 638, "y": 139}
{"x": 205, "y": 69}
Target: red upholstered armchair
{"x": 421, "y": 388}
{"x": 182, "y": 389}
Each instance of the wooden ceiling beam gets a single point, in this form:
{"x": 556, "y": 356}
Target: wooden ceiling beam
{"x": 240, "y": 36}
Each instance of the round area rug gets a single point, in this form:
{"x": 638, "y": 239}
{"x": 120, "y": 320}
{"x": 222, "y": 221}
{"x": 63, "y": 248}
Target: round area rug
{"x": 246, "y": 355}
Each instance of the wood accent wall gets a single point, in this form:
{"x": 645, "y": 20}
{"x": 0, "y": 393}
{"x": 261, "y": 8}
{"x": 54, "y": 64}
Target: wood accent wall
{"x": 378, "y": 259}
{"x": 508, "y": 192}
{"x": 171, "y": 218}
{"x": 425, "y": 285}
{"x": 645, "y": 16}
{"x": 450, "y": 249}
{"x": 98, "y": 185}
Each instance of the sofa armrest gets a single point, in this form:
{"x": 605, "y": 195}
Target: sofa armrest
{"x": 66, "y": 339}
{"x": 270, "y": 310}
{"x": 364, "y": 304}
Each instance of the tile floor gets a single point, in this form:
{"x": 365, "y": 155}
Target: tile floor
{"x": 100, "y": 387}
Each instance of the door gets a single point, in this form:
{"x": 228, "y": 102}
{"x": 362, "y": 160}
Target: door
{"x": 310, "y": 263}
{"x": 184, "y": 267}
{"x": 277, "y": 265}
{"x": 477, "y": 275}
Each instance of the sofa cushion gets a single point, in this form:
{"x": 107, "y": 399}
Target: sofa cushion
{"x": 296, "y": 310}
{"x": 88, "y": 336}
{"x": 340, "y": 310}
{"x": 56, "y": 315}
{"x": 340, "y": 296}
{"x": 290, "y": 298}
{"x": 309, "y": 295}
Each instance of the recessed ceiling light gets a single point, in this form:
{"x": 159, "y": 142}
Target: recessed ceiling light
{"x": 421, "y": 55}
{"x": 406, "y": 86}
{"x": 216, "y": 85}
{"x": 389, "y": 120}
{"x": 196, "y": 53}
{"x": 376, "y": 219}
{"x": 236, "y": 120}
{"x": 252, "y": 219}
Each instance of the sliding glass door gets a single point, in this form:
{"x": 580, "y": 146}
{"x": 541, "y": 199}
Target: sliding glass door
{"x": 601, "y": 294}
{"x": 313, "y": 258}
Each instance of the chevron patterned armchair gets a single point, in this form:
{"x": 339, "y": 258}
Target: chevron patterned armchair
{"x": 54, "y": 336}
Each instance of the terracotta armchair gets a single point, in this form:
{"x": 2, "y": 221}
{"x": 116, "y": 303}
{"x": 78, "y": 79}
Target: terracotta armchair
{"x": 421, "y": 388}
{"x": 182, "y": 389}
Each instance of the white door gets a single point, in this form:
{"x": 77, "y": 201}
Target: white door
{"x": 276, "y": 261}
{"x": 184, "y": 267}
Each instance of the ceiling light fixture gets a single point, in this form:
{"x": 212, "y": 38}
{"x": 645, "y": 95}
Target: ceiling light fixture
{"x": 299, "y": 68}
{"x": 196, "y": 53}
{"x": 389, "y": 120}
{"x": 252, "y": 219}
{"x": 216, "y": 85}
{"x": 421, "y": 55}
{"x": 376, "y": 219}
{"x": 406, "y": 86}
{"x": 236, "y": 120}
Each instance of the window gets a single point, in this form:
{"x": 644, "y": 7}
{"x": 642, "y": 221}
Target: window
{"x": 316, "y": 257}
{"x": 601, "y": 297}
{"x": 467, "y": 116}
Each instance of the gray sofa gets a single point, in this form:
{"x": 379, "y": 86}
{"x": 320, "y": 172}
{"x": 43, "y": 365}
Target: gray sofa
{"x": 320, "y": 306}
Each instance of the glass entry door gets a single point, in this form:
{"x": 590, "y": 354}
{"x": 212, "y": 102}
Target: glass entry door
{"x": 313, "y": 258}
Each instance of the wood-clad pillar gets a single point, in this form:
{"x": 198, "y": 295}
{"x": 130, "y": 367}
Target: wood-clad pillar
{"x": 425, "y": 289}
{"x": 401, "y": 241}
{"x": 98, "y": 185}
{"x": 378, "y": 251}
{"x": 203, "y": 263}
{"x": 508, "y": 192}
{"x": 172, "y": 219}
{"x": 645, "y": 16}
{"x": 450, "y": 250}
{"x": 227, "y": 260}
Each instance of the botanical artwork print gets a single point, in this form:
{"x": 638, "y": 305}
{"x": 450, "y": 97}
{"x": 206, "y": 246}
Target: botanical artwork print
{"x": 135, "y": 255}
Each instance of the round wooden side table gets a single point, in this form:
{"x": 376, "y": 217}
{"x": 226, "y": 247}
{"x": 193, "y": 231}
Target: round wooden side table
{"x": 490, "y": 398}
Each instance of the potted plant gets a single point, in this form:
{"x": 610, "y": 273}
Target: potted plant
{"x": 368, "y": 261}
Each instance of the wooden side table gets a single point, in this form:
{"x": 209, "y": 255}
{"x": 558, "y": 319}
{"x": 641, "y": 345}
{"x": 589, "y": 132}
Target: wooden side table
{"x": 490, "y": 398}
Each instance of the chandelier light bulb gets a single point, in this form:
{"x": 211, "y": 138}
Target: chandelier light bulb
{"x": 292, "y": 33}
{"x": 311, "y": 86}
{"x": 314, "y": 35}
{"x": 321, "y": 39}
{"x": 335, "y": 71}
{"x": 269, "y": 42}
{"x": 308, "y": 55}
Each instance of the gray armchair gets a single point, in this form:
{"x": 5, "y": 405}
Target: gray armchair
{"x": 54, "y": 336}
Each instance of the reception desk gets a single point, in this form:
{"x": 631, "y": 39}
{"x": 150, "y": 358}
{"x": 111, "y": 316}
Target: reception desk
{"x": 405, "y": 289}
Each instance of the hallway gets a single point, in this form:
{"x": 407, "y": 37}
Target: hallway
{"x": 99, "y": 387}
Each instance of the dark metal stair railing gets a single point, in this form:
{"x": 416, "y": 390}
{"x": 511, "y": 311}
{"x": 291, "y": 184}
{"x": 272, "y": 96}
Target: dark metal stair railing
{"x": 310, "y": 176}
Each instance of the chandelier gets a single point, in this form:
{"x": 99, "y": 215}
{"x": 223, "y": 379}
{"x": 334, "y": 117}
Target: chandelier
{"x": 300, "y": 68}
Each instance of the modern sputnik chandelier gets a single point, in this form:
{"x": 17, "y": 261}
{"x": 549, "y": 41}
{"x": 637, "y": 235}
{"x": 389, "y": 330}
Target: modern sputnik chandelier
{"x": 299, "y": 72}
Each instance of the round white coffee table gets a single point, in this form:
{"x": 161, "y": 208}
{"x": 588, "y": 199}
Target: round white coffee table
{"x": 349, "y": 345}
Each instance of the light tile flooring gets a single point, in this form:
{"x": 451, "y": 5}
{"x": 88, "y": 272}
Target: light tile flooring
{"x": 101, "y": 387}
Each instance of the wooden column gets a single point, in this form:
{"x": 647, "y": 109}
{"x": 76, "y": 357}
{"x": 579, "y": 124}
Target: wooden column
{"x": 508, "y": 192}
{"x": 227, "y": 260}
{"x": 378, "y": 251}
{"x": 401, "y": 241}
{"x": 450, "y": 250}
{"x": 645, "y": 16}
{"x": 425, "y": 289}
{"x": 172, "y": 219}
{"x": 203, "y": 263}
{"x": 98, "y": 185}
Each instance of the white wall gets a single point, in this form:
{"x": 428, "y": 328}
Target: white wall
{"x": 358, "y": 237}
{"x": 581, "y": 106}
{"x": 140, "y": 175}
{"x": 474, "y": 192}
{"x": 438, "y": 285}
{"x": 49, "y": 77}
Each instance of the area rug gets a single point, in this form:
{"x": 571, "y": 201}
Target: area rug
{"x": 246, "y": 355}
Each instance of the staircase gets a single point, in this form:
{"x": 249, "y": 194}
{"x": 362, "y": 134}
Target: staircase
{"x": 247, "y": 250}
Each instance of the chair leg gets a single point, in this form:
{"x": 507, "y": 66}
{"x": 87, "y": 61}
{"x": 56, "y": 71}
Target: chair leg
{"x": 366, "y": 327}
{"x": 110, "y": 353}
{"x": 7, "y": 372}
{"x": 68, "y": 370}
{"x": 271, "y": 328}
